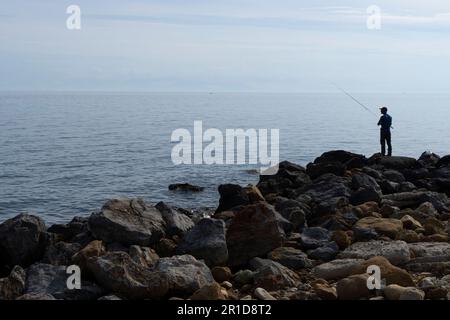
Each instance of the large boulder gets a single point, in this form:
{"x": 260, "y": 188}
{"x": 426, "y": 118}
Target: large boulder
{"x": 206, "y": 241}
{"x": 414, "y": 199}
{"x": 399, "y": 163}
{"x": 77, "y": 231}
{"x": 127, "y": 221}
{"x": 336, "y": 269}
{"x": 290, "y": 257}
{"x": 60, "y": 253}
{"x": 117, "y": 272}
{"x": 231, "y": 196}
{"x": 52, "y": 280}
{"x": 315, "y": 170}
{"x": 397, "y": 252}
{"x": 13, "y": 286}
{"x": 340, "y": 156}
{"x": 365, "y": 188}
{"x": 177, "y": 223}
{"x": 253, "y": 232}
{"x": 314, "y": 237}
{"x": 184, "y": 274}
{"x": 22, "y": 241}
{"x": 384, "y": 226}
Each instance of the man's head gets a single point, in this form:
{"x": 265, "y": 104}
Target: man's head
{"x": 383, "y": 110}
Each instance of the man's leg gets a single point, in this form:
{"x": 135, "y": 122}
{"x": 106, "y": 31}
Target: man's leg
{"x": 388, "y": 139}
{"x": 382, "y": 142}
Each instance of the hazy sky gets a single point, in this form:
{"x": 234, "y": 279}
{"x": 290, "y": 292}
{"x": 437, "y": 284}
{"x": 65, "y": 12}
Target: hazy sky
{"x": 225, "y": 45}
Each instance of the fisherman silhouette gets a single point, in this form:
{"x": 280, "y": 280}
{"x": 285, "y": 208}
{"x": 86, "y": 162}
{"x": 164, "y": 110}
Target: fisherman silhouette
{"x": 385, "y": 131}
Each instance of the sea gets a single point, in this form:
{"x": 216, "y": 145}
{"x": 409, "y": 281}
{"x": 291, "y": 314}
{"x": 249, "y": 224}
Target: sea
{"x": 64, "y": 154}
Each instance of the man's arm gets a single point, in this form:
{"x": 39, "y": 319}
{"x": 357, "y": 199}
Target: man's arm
{"x": 379, "y": 121}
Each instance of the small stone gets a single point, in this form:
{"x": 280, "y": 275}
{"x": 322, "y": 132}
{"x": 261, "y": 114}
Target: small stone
{"x": 410, "y": 223}
{"x": 221, "y": 274}
{"x": 209, "y": 292}
{"x": 336, "y": 269}
{"x": 290, "y": 257}
{"x": 384, "y": 226}
{"x": 412, "y": 294}
{"x": 227, "y": 285}
{"x": 325, "y": 292}
{"x": 342, "y": 239}
{"x": 244, "y": 277}
{"x": 262, "y": 294}
{"x": 353, "y": 287}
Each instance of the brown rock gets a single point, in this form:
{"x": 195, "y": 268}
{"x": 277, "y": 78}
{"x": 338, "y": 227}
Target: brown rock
{"x": 353, "y": 287}
{"x": 221, "y": 274}
{"x": 342, "y": 239}
{"x": 410, "y": 223}
{"x": 210, "y": 292}
{"x": 434, "y": 226}
{"x": 95, "y": 248}
{"x": 325, "y": 292}
{"x": 384, "y": 226}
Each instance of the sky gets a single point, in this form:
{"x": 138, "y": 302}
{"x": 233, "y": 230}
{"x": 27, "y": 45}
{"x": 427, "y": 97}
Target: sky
{"x": 225, "y": 46}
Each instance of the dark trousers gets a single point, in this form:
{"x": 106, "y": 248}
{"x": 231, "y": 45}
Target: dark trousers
{"x": 385, "y": 138}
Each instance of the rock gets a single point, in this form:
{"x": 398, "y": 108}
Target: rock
{"x": 117, "y": 272}
{"x": 13, "y": 286}
{"x": 397, "y": 252}
{"x": 410, "y": 223}
{"x": 412, "y": 294}
{"x": 109, "y": 297}
{"x": 342, "y": 239}
{"x": 52, "y": 280}
{"x": 294, "y": 211}
{"x": 209, "y": 292}
{"x": 176, "y": 223}
{"x": 430, "y": 249}
{"x": 415, "y": 199}
{"x": 353, "y": 287}
{"x": 324, "y": 253}
{"x": 184, "y": 274}
{"x": 36, "y": 296}
{"x": 166, "y": 247}
{"x": 364, "y": 234}
{"x": 362, "y": 180}
{"x": 365, "y": 194}
{"x": 60, "y": 253}
{"x": 254, "y": 194}
{"x": 75, "y": 231}
{"x": 315, "y": 170}
{"x": 244, "y": 277}
{"x": 393, "y": 291}
{"x": 22, "y": 241}
{"x": 254, "y": 231}
{"x": 398, "y": 162}
{"x": 262, "y": 294}
{"x": 394, "y": 175}
{"x": 143, "y": 255}
{"x": 274, "y": 276}
{"x": 231, "y": 196}
{"x": 429, "y": 159}
{"x": 340, "y": 156}
{"x": 430, "y": 257}
{"x": 408, "y": 236}
{"x": 325, "y": 292}
{"x": 389, "y": 273}
{"x": 93, "y": 249}
{"x": 434, "y": 226}
{"x": 185, "y": 187}
{"x": 443, "y": 162}
{"x": 336, "y": 269}
{"x": 290, "y": 257}
{"x": 221, "y": 274}
{"x": 206, "y": 240}
{"x": 384, "y": 226}
{"x": 315, "y": 237}
{"x": 128, "y": 222}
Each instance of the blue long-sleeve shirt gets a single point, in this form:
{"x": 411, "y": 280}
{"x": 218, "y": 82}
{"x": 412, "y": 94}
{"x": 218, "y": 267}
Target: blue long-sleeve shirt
{"x": 385, "y": 122}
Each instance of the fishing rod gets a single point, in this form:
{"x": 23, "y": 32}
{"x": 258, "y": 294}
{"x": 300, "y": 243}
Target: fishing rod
{"x": 357, "y": 101}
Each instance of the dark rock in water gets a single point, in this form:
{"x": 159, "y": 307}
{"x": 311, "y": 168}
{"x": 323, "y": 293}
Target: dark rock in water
{"x": 314, "y": 170}
{"x": 274, "y": 276}
{"x": 325, "y": 253}
{"x": 206, "y": 241}
{"x": 117, "y": 272}
{"x": 184, "y": 274}
{"x": 127, "y": 221}
{"x": 254, "y": 231}
{"x": 185, "y": 187}
{"x": 290, "y": 257}
{"x": 60, "y": 253}
{"x": 443, "y": 162}
{"x": 76, "y": 230}
{"x": 52, "y": 280}
{"x": 328, "y": 193}
{"x": 22, "y": 241}
{"x": 13, "y": 286}
{"x": 231, "y": 196}
{"x": 339, "y": 156}
{"x": 289, "y": 177}
{"x": 312, "y": 238}
{"x": 176, "y": 223}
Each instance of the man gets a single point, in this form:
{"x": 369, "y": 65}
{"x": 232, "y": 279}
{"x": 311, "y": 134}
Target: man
{"x": 385, "y": 131}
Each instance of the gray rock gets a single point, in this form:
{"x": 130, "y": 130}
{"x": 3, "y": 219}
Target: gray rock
{"x": 397, "y": 252}
{"x": 262, "y": 294}
{"x": 274, "y": 276}
{"x": 184, "y": 274}
{"x": 430, "y": 249}
{"x": 231, "y": 196}
{"x": 60, "y": 253}
{"x": 290, "y": 257}
{"x": 109, "y": 297}
{"x": 336, "y": 269}
{"x": 177, "y": 223}
{"x": 37, "y": 296}
{"x": 325, "y": 253}
{"x": 117, "y": 272}
{"x": 128, "y": 222}
{"x": 22, "y": 241}
{"x": 143, "y": 255}
{"x": 312, "y": 238}
{"x": 13, "y": 286}
{"x": 206, "y": 241}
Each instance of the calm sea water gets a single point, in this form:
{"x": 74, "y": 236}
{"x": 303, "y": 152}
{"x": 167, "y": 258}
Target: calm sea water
{"x": 63, "y": 155}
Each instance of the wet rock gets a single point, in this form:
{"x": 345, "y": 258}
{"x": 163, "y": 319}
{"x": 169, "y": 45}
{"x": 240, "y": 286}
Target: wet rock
{"x": 340, "y": 156}
{"x": 184, "y": 274}
{"x": 52, "y": 280}
{"x": 206, "y": 240}
{"x": 254, "y": 231}
{"x": 384, "y": 226}
{"x": 262, "y": 294}
{"x": 290, "y": 257}
{"x": 397, "y": 252}
{"x": 231, "y": 196}
{"x": 13, "y": 286}
{"x": 274, "y": 276}
{"x": 128, "y": 222}
{"x": 336, "y": 269}
{"x": 315, "y": 237}
{"x": 177, "y": 223}
{"x": 365, "y": 194}
{"x": 393, "y": 175}
{"x": 211, "y": 291}
{"x": 353, "y": 287}
{"x": 22, "y": 241}
{"x": 185, "y": 187}
{"x": 117, "y": 272}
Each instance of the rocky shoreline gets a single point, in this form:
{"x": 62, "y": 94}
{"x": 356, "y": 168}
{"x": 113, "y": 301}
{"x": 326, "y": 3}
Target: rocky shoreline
{"x": 302, "y": 234}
